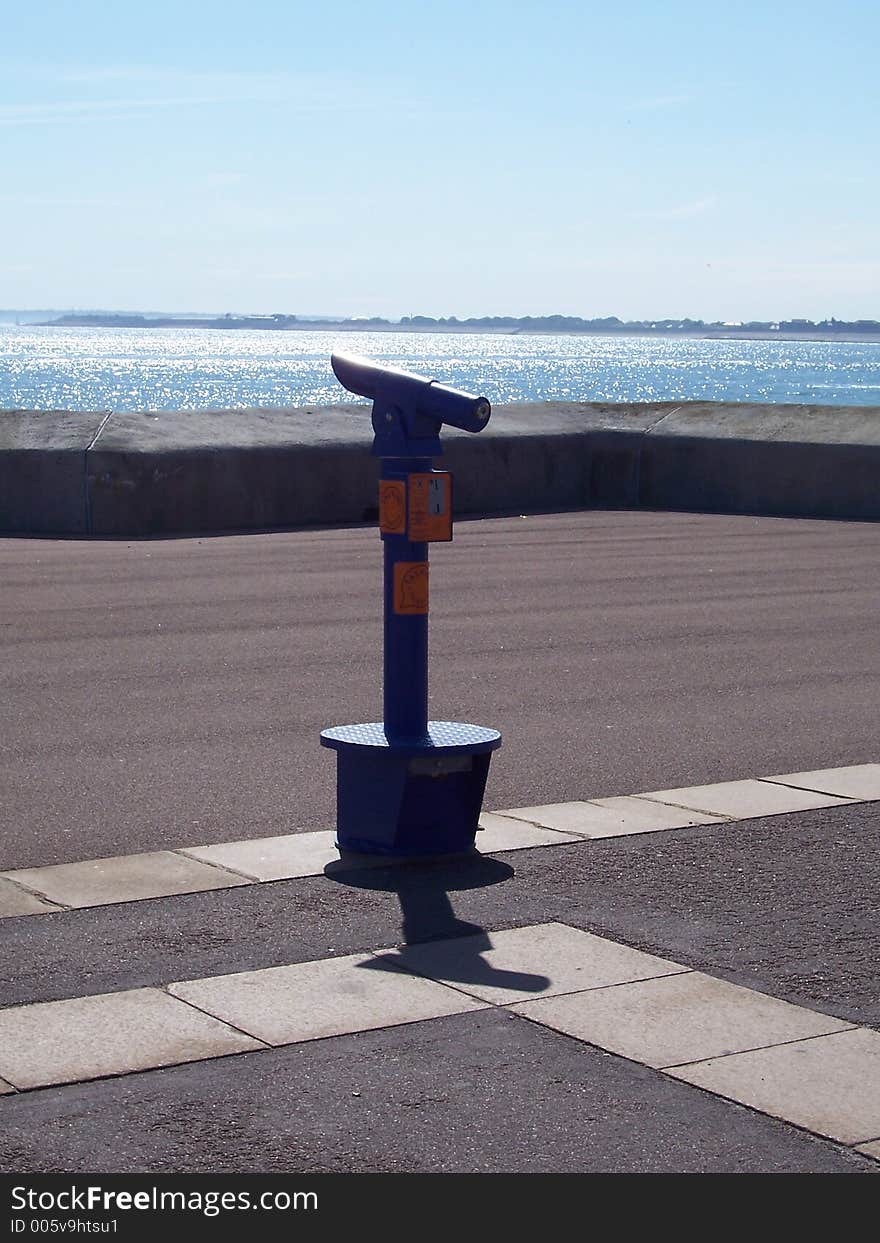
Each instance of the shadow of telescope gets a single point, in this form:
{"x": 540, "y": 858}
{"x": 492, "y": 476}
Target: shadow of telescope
{"x": 423, "y": 892}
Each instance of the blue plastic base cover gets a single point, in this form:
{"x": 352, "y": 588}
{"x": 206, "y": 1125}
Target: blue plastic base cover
{"x": 410, "y": 796}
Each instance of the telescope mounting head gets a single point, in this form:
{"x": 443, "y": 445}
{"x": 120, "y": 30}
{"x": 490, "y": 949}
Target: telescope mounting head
{"x": 409, "y": 410}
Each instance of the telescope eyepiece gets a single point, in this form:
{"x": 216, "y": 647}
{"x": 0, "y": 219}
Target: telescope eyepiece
{"x": 356, "y": 374}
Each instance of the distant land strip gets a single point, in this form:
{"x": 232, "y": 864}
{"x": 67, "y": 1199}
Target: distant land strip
{"x": 791, "y": 329}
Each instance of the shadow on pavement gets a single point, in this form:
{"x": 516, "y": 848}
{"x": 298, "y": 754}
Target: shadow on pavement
{"x": 423, "y": 890}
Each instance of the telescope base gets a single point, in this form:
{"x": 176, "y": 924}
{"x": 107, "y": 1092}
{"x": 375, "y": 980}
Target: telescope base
{"x": 410, "y": 797}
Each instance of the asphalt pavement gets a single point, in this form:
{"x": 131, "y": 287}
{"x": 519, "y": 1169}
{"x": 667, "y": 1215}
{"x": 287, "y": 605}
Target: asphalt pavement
{"x": 165, "y": 693}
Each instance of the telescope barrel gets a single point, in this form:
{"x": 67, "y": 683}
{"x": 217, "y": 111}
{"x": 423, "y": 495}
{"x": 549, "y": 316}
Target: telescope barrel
{"x": 392, "y": 386}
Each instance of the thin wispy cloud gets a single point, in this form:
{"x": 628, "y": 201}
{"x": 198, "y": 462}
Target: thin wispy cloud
{"x": 679, "y": 211}
{"x": 68, "y": 111}
{"x": 867, "y": 270}
{"x": 60, "y": 201}
{"x": 150, "y": 90}
{"x": 221, "y": 181}
{"x": 283, "y": 276}
{"x": 656, "y": 102}
{"x": 127, "y": 73}
{"x": 229, "y": 84}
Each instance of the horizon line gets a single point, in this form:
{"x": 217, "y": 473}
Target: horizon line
{"x": 332, "y": 319}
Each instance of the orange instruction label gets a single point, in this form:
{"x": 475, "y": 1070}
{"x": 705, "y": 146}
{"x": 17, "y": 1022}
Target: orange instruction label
{"x": 392, "y": 506}
{"x": 411, "y": 587}
{"x": 430, "y": 506}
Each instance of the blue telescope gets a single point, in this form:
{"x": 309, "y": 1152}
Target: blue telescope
{"x": 409, "y": 410}
{"x": 406, "y": 785}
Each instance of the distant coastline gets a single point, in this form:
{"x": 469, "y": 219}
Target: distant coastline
{"x": 784, "y": 330}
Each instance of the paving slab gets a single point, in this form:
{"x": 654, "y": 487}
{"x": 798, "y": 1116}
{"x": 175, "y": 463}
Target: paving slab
{"x": 859, "y": 781}
{"x": 568, "y": 817}
{"x": 613, "y": 817}
{"x": 108, "y": 1034}
{"x": 631, "y": 815}
{"x": 678, "y": 1018}
{"x": 499, "y": 831}
{"x": 741, "y": 800}
{"x": 272, "y": 858}
{"x": 16, "y": 901}
{"x": 5, "y": 1087}
{"x": 830, "y": 1084}
{"x": 126, "y": 878}
{"x": 310, "y": 1000}
{"x": 715, "y": 898}
{"x": 870, "y": 1150}
{"x": 481, "y": 1092}
{"x": 296, "y": 855}
{"x": 517, "y": 963}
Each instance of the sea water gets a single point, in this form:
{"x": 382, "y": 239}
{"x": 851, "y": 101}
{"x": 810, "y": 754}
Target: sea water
{"x": 204, "y": 369}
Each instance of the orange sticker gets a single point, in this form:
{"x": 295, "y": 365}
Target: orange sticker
{"x": 410, "y": 587}
{"x": 392, "y": 506}
{"x": 430, "y": 506}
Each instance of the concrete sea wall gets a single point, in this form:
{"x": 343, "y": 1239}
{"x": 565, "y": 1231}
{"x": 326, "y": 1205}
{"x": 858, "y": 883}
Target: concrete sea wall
{"x": 184, "y": 472}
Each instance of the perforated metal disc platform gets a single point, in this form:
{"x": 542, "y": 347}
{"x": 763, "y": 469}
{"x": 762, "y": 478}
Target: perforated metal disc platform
{"x": 442, "y": 738}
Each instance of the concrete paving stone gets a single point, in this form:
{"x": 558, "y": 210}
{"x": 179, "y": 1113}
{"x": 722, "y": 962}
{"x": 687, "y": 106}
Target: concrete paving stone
{"x": 627, "y": 815}
{"x": 519, "y": 963}
{"x": 562, "y": 817}
{"x": 127, "y": 878}
{"x": 308, "y": 854}
{"x": 108, "y": 1034}
{"x": 15, "y": 901}
{"x": 743, "y": 800}
{"x": 272, "y": 858}
{"x": 331, "y": 997}
{"x": 830, "y": 1085}
{"x": 5, "y": 1087}
{"x": 613, "y": 817}
{"x": 678, "y": 1018}
{"x": 500, "y": 831}
{"x": 870, "y": 1150}
{"x": 718, "y": 899}
{"x": 485, "y": 1092}
{"x": 860, "y": 781}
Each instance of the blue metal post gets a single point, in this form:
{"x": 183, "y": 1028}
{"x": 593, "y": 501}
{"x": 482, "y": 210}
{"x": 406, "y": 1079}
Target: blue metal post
{"x": 406, "y": 636}
{"x": 407, "y": 785}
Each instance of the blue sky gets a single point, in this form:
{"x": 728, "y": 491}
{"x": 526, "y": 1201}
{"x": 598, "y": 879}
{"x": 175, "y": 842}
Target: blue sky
{"x": 445, "y": 158}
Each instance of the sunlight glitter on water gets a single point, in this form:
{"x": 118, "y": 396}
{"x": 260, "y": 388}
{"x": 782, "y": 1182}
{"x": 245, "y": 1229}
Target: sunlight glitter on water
{"x": 201, "y": 369}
